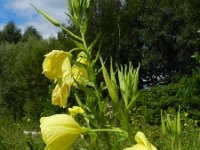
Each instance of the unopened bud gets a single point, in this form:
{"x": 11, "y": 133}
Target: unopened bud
{"x": 52, "y": 20}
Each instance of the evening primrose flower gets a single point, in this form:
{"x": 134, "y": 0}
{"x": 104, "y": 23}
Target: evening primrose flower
{"x": 142, "y": 143}
{"x": 60, "y": 95}
{"x": 59, "y": 131}
{"x": 80, "y": 73}
{"x": 57, "y": 66}
{"x": 75, "y": 110}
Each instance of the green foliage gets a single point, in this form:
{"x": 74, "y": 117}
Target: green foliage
{"x": 161, "y": 36}
{"x": 29, "y": 33}
{"x": 22, "y": 84}
{"x": 13, "y": 137}
{"x": 171, "y": 130}
{"x": 10, "y": 33}
{"x": 184, "y": 93}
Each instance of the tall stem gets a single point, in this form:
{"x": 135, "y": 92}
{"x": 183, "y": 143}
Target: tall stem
{"x": 92, "y": 72}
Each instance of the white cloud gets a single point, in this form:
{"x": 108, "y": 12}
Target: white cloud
{"x": 1, "y": 27}
{"x": 55, "y": 8}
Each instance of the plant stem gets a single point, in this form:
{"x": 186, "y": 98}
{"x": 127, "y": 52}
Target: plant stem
{"x": 110, "y": 130}
{"x": 179, "y": 144}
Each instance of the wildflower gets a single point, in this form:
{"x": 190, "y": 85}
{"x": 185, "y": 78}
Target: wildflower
{"x": 57, "y": 66}
{"x": 142, "y": 143}
{"x": 80, "y": 72}
{"x": 60, "y": 95}
{"x": 59, "y": 131}
{"x": 75, "y": 110}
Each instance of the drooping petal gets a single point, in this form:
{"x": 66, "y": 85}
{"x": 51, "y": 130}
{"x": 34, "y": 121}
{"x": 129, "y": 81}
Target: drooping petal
{"x": 59, "y": 131}
{"x": 60, "y": 95}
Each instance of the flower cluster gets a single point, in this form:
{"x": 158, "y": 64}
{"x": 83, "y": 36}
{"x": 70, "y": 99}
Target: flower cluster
{"x": 61, "y": 130}
{"x": 57, "y": 67}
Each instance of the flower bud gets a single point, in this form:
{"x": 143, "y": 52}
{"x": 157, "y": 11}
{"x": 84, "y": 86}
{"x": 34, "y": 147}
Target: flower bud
{"x": 80, "y": 73}
{"x": 75, "y": 110}
{"x": 52, "y": 20}
{"x": 112, "y": 91}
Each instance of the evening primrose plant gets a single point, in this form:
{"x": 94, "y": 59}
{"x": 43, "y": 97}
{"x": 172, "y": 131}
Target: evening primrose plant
{"x": 102, "y": 121}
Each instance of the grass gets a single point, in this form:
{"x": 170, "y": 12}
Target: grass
{"x": 12, "y": 135}
{"x": 13, "y": 138}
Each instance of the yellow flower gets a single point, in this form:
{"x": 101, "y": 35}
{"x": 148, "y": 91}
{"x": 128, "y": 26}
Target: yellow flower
{"x": 142, "y": 143}
{"x": 59, "y": 131}
{"x": 60, "y": 95}
{"x": 75, "y": 110}
{"x": 57, "y": 66}
{"x": 79, "y": 73}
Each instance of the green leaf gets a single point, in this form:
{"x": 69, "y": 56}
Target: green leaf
{"x": 70, "y": 7}
{"x": 93, "y": 42}
{"x": 70, "y": 33}
{"x": 112, "y": 92}
{"x": 79, "y": 45}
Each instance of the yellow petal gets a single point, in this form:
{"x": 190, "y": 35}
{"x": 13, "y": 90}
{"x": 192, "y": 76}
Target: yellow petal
{"x": 152, "y": 147}
{"x": 140, "y": 138}
{"x": 57, "y": 64}
{"x": 60, "y": 95}
{"x": 79, "y": 73}
{"x": 59, "y": 131}
{"x": 137, "y": 147}
{"x": 75, "y": 110}
{"x": 67, "y": 72}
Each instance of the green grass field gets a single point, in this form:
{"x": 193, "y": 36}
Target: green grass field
{"x": 13, "y": 136}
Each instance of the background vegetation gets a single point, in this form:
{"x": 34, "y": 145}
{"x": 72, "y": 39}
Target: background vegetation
{"x": 162, "y": 36}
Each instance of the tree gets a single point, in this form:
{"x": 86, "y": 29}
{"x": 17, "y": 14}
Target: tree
{"x": 105, "y": 16}
{"x": 162, "y": 35}
{"x": 11, "y": 33}
{"x": 30, "y": 31}
{"x": 23, "y": 87}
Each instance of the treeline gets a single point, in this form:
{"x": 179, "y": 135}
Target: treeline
{"x": 12, "y": 34}
{"x": 160, "y": 35}
{"x": 23, "y": 88}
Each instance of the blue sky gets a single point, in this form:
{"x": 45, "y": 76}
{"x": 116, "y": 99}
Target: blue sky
{"x": 24, "y": 15}
{"x": 7, "y": 15}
